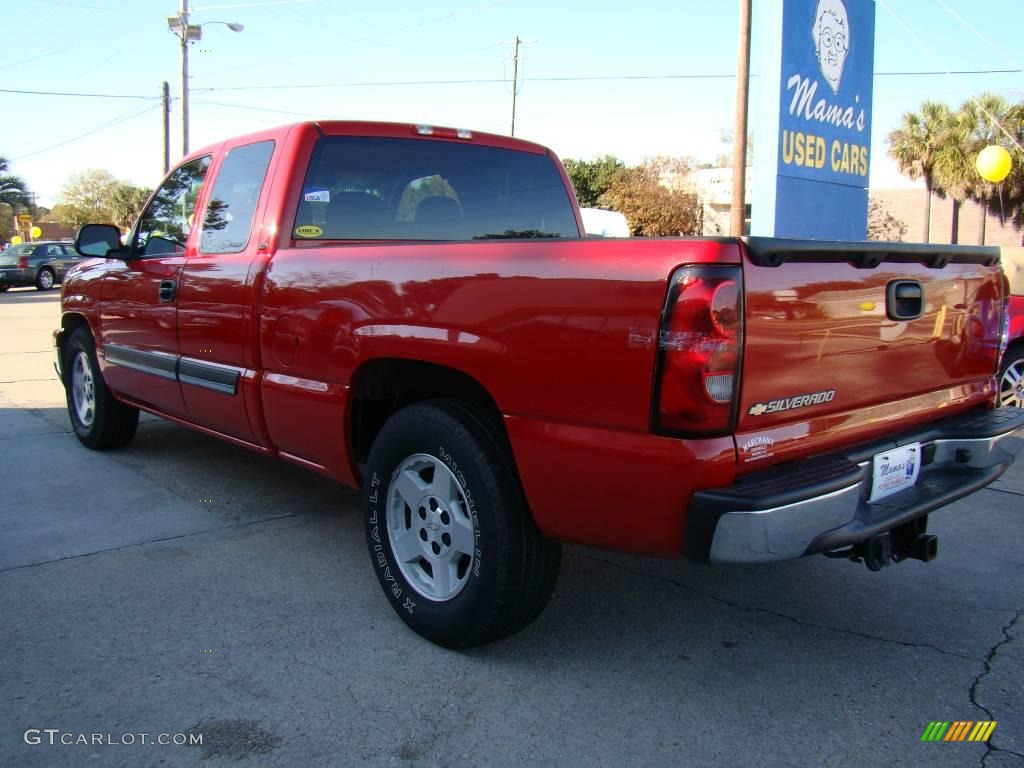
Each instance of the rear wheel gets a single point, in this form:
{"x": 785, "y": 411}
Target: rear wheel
{"x": 1011, "y": 378}
{"x": 45, "y": 279}
{"x": 450, "y": 535}
{"x": 99, "y": 420}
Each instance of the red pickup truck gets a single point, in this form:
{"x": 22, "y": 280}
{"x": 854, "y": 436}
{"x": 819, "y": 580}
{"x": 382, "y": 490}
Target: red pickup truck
{"x": 413, "y": 310}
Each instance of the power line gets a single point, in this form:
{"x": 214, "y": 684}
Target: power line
{"x": 249, "y": 5}
{"x": 482, "y": 81}
{"x": 933, "y": 72}
{"x": 75, "y": 93}
{"x": 101, "y": 8}
{"x": 563, "y": 79}
{"x": 984, "y": 39}
{"x": 36, "y": 58}
{"x": 949, "y": 73}
{"x": 131, "y": 115}
{"x": 349, "y": 41}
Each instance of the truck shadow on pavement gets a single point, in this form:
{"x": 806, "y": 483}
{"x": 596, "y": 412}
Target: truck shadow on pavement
{"x": 263, "y": 568}
{"x": 605, "y": 597}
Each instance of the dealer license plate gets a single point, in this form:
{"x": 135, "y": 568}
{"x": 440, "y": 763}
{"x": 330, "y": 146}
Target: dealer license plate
{"x": 895, "y": 470}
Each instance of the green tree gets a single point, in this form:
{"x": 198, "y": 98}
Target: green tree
{"x": 592, "y": 178}
{"x": 126, "y": 202}
{"x": 86, "y": 198}
{"x": 915, "y": 144}
{"x": 654, "y": 198}
{"x": 973, "y": 127}
{"x": 994, "y": 120}
{"x": 13, "y": 191}
{"x": 6, "y": 222}
{"x": 1008, "y": 200}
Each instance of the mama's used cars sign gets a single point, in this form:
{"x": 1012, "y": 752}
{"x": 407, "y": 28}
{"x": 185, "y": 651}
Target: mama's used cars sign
{"x": 819, "y": 65}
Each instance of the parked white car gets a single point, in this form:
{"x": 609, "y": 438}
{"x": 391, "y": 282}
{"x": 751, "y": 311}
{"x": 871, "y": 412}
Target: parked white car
{"x": 597, "y": 221}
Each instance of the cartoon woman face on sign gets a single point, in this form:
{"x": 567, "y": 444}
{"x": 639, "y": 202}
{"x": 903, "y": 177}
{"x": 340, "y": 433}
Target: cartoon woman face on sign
{"x": 831, "y": 34}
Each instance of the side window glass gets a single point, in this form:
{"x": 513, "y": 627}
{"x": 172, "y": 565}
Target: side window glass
{"x": 229, "y": 214}
{"x": 167, "y": 220}
{"x": 54, "y": 250}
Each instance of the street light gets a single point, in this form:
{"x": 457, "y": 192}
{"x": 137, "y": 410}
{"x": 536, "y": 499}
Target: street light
{"x": 187, "y": 33}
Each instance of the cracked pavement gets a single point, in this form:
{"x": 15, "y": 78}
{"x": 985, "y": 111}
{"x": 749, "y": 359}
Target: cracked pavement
{"x": 131, "y": 606}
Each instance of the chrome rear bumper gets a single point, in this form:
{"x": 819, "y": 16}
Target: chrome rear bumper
{"x": 821, "y": 505}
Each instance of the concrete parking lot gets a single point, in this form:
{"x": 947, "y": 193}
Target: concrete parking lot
{"x": 184, "y": 586}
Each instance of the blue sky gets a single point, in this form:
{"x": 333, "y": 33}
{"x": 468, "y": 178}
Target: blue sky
{"x": 398, "y": 60}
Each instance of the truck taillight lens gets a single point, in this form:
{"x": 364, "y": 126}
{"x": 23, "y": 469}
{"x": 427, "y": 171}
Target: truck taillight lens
{"x": 701, "y": 338}
{"x": 23, "y": 262}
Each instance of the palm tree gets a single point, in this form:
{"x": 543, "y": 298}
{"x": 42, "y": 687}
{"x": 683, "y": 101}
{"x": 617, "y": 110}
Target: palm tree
{"x": 972, "y": 128}
{"x": 994, "y": 118}
{"x": 914, "y": 146}
{"x": 12, "y": 189}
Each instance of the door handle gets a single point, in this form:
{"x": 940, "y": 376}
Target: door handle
{"x": 168, "y": 290}
{"x": 904, "y": 300}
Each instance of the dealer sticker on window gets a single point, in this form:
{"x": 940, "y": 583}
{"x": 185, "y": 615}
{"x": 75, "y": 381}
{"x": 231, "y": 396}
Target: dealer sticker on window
{"x": 895, "y": 470}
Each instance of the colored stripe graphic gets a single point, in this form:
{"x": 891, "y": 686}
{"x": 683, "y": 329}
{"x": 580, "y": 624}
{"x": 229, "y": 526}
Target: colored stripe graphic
{"x": 959, "y": 730}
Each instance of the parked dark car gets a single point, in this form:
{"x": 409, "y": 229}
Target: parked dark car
{"x": 42, "y": 264}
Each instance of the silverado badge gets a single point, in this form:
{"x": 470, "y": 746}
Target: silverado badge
{"x": 789, "y": 403}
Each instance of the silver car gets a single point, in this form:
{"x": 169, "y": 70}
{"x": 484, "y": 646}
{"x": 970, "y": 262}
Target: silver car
{"x": 42, "y": 264}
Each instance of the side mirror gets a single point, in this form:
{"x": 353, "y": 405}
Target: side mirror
{"x": 100, "y": 241}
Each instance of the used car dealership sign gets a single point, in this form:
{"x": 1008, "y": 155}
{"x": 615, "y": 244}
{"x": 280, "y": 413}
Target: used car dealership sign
{"x": 819, "y": 94}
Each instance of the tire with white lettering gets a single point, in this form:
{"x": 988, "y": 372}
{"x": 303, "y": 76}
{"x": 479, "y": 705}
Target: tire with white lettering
{"x": 99, "y": 421}
{"x": 450, "y": 535}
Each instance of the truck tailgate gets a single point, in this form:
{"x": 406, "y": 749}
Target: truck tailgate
{"x": 843, "y": 339}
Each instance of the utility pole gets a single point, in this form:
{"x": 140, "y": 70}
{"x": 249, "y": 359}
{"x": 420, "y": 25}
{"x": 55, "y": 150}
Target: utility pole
{"x": 183, "y": 14}
{"x": 186, "y": 33}
{"x": 739, "y": 145}
{"x": 166, "y": 99}
{"x": 515, "y": 80}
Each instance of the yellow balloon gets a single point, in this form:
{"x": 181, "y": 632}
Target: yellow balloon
{"x": 36, "y": 232}
{"x": 15, "y": 240}
{"x": 993, "y": 163}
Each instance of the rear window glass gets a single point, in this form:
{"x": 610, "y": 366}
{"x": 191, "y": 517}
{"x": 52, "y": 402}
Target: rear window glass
{"x": 360, "y": 188}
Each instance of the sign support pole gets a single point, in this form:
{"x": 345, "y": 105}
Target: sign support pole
{"x": 738, "y": 211}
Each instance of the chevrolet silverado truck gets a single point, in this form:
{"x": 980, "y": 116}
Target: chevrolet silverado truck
{"x": 415, "y": 311}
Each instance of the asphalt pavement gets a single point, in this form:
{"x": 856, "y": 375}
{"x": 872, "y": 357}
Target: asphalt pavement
{"x": 183, "y": 587}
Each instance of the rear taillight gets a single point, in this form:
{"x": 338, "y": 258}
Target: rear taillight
{"x": 1004, "y": 323}
{"x": 699, "y": 352}
{"x": 23, "y": 262}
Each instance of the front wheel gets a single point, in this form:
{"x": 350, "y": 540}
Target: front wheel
{"x": 450, "y": 535}
{"x": 99, "y": 421}
{"x": 45, "y": 279}
{"x": 1011, "y": 378}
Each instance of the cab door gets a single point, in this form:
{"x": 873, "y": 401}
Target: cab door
{"x": 217, "y": 324}
{"x": 139, "y": 302}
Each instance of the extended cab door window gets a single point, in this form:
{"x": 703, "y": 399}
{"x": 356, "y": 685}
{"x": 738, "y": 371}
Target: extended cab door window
{"x": 165, "y": 224}
{"x": 229, "y": 214}
{"x": 216, "y": 295}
